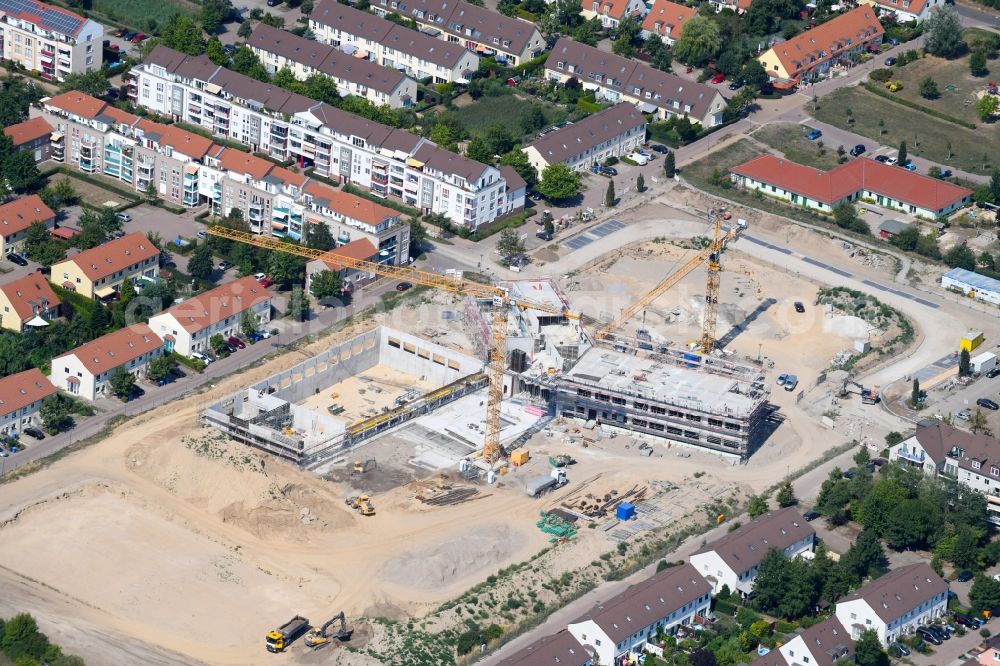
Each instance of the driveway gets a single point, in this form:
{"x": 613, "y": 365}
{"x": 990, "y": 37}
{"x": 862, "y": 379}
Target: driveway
{"x": 950, "y": 652}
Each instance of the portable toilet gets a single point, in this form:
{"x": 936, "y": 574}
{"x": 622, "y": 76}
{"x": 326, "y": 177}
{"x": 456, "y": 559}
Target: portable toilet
{"x": 625, "y": 511}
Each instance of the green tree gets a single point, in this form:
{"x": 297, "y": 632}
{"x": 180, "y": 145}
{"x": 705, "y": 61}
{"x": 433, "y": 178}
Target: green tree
{"x": 55, "y": 415}
{"x": 699, "y": 42}
{"x": 964, "y": 365}
{"x": 18, "y": 171}
{"x": 318, "y": 236}
{"x": 42, "y": 247}
{"x": 865, "y": 557}
{"x": 517, "y": 159}
{"x": 249, "y": 323}
{"x": 285, "y": 268}
{"x": 21, "y": 638}
{"x": 868, "y": 650}
{"x": 245, "y": 61}
{"x": 943, "y": 33}
{"x": 669, "y": 167}
{"x": 509, "y": 245}
{"x": 94, "y": 83}
{"x": 559, "y": 182}
{"x": 985, "y": 593}
{"x": 758, "y": 506}
{"x": 786, "y": 495}
{"x": 202, "y": 264}
{"x": 478, "y": 150}
{"x": 911, "y": 527}
{"x": 298, "y": 306}
{"x": 326, "y": 283}
{"x": 499, "y": 140}
{"x": 915, "y": 393}
{"x": 626, "y": 37}
{"x": 122, "y": 382}
{"x": 181, "y": 33}
{"x": 218, "y": 345}
{"x": 978, "y": 423}
{"x": 902, "y": 156}
{"x": 284, "y": 78}
{"x": 244, "y": 31}
{"x": 876, "y": 511}
{"x": 929, "y": 88}
{"x": 126, "y": 293}
{"x": 213, "y": 14}
{"x": 977, "y": 64}
{"x": 640, "y": 183}
{"x": 987, "y": 106}
{"x": 159, "y": 368}
{"x": 418, "y": 237}
{"x": 216, "y": 51}
{"x": 609, "y": 194}
{"x": 995, "y": 184}
{"x": 660, "y": 56}
{"x": 862, "y": 457}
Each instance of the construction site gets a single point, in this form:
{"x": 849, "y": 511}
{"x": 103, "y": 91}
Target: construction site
{"x": 388, "y": 466}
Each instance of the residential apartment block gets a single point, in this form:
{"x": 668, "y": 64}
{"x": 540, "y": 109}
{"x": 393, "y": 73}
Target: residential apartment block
{"x": 100, "y": 271}
{"x": 862, "y": 178}
{"x": 15, "y": 218}
{"x": 614, "y": 132}
{"x": 666, "y": 20}
{"x": 86, "y": 371}
{"x": 340, "y": 261}
{"x": 49, "y": 40}
{"x": 612, "y": 12}
{"x": 666, "y": 600}
{"x": 188, "y": 326}
{"x": 732, "y": 560}
{"x": 33, "y": 136}
{"x": 353, "y": 75}
{"x": 388, "y": 162}
{"x": 27, "y": 302}
{"x": 972, "y": 460}
{"x": 512, "y": 41}
{"x": 895, "y": 604}
{"x": 21, "y": 396}
{"x": 364, "y": 35}
{"x": 618, "y": 79}
{"x": 810, "y": 54}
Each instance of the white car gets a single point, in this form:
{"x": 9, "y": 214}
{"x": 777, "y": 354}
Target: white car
{"x": 641, "y": 160}
{"x": 198, "y": 356}
{"x": 259, "y": 276}
{"x": 124, "y": 217}
{"x": 891, "y": 161}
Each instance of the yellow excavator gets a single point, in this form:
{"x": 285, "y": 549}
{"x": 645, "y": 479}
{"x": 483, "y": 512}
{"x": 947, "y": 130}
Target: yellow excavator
{"x": 317, "y": 638}
{"x": 362, "y": 504}
{"x": 362, "y": 467}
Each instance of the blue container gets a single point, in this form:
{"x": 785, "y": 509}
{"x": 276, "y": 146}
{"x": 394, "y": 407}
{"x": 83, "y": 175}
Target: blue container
{"x": 626, "y": 511}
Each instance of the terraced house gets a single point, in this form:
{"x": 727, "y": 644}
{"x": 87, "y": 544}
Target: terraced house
{"x": 21, "y": 396}
{"x": 612, "y": 12}
{"x": 100, "y": 271}
{"x": 387, "y": 162}
{"x": 86, "y": 371}
{"x": 615, "y": 131}
{"x": 28, "y": 302}
{"x": 666, "y": 20}
{"x": 15, "y": 218}
{"x": 49, "y": 40}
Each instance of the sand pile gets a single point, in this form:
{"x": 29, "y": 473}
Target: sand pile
{"x": 846, "y": 326}
{"x": 435, "y": 565}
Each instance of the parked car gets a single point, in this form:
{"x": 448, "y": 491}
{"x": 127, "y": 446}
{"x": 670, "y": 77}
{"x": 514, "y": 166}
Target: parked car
{"x": 988, "y": 404}
{"x": 199, "y": 356}
{"x": 882, "y": 158}
{"x": 993, "y": 372}
{"x": 963, "y": 415}
{"x": 404, "y": 286}
{"x": 858, "y": 149}
{"x": 810, "y": 516}
{"x": 964, "y": 577}
{"x": 273, "y": 3}
{"x": 799, "y": 307}
{"x": 929, "y": 636}
{"x": 139, "y": 37}
{"x": 544, "y": 235}
{"x": 121, "y": 32}
{"x": 967, "y": 621}
{"x": 604, "y": 170}
{"x": 266, "y": 282}
{"x": 236, "y": 342}
{"x": 34, "y": 433}
{"x": 791, "y": 381}
{"x": 897, "y": 649}
{"x": 814, "y": 134}
{"x": 641, "y": 160}
{"x": 202, "y": 234}
{"x": 890, "y": 61}
{"x": 128, "y": 36}
{"x": 225, "y": 265}
{"x": 259, "y": 276}
{"x": 945, "y": 173}
{"x": 15, "y": 258}
{"x": 124, "y": 217}
{"x": 781, "y": 379}
{"x": 890, "y": 161}
{"x": 736, "y": 85}
{"x": 719, "y": 77}
{"x": 939, "y": 631}
{"x": 177, "y": 373}
{"x": 849, "y": 474}
{"x": 658, "y": 148}
{"x": 229, "y": 50}
{"x": 910, "y": 166}
{"x": 645, "y": 153}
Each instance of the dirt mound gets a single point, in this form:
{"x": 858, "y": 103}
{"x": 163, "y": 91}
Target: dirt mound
{"x": 442, "y": 564}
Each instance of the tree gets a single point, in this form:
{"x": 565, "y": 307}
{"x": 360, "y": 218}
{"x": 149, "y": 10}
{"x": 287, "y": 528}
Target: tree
{"x": 559, "y": 182}
{"x": 245, "y": 61}
{"x": 326, "y": 283}
{"x": 509, "y": 244}
{"x": 285, "y": 78}
{"x": 627, "y": 34}
{"x": 868, "y": 650}
{"x": 218, "y": 344}
{"x": 319, "y": 236}
{"x": 876, "y": 510}
{"x": 499, "y": 140}
{"x": 55, "y": 415}
{"x": 418, "y": 237}
{"x": 977, "y": 64}
{"x": 245, "y": 30}
{"x": 862, "y": 457}
{"x": 901, "y": 157}
{"x": 702, "y": 657}
{"x": 786, "y": 495}
{"x": 865, "y": 556}
{"x": 943, "y": 33}
{"x": 995, "y": 184}
{"x": 517, "y": 159}
{"x": 126, "y": 293}
{"x": 964, "y": 363}
{"x": 285, "y": 268}
{"x": 669, "y": 167}
{"x": 181, "y": 33}
{"x": 846, "y": 217}
{"x": 94, "y": 83}
{"x": 978, "y": 423}
{"x": 640, "y": 183}
{"x": 159, "y": 368}
{"x": 201, "y": 264}
{"x": 660, "y": 56}
{"x": 18, "y": 171}
{"x": 478, "y": 150}
{"x": 699, "y": 42}
{"x": 42, "y": 247}
{"x": 298, "y": 306}
{"x": 249, "y": 323}
{"x": 214, "y": 13}
{"x": 987, "y": 106}
{"x": 929, "y": 88}
{"x": 915, "y": 393}
{"x": 609, "y": 194}
{"x": 122, "y": 382}
{"x": 216, "y": 51}
{"x": 758, "y": 506}
{"x": 985, "y": 593}
{"x": 321, "y": 87}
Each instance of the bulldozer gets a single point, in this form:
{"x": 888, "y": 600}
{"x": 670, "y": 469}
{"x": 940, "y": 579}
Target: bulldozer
{"x": 318, "y": 638}
{"x": 362, "y": 467}
{"x": 362, "y": 504}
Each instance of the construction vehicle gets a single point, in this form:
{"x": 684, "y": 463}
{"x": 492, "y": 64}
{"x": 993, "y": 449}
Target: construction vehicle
{"x": 362, "y": 504}
{"x": 869, "y": 396}
{"x": 317, "y": 638}
{"x": 501, "y": 299}
{"x": 542, "y": 484}
{"x": 362, "y": 467}
{"x": 279, "y": 639}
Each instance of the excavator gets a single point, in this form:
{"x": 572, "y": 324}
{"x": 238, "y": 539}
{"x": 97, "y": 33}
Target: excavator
{"x": 318, "y": 638}
{"x": 362, "y": 504}
{"x": 362, "y": 467}
{"x": 869, "y": 396}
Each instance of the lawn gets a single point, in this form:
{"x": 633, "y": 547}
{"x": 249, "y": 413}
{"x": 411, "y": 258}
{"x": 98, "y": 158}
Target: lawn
{"x": 926, "y": 136}
{"x": 508, "y": 110}
{"x": 957, "y": 87}
{"x": 790, "y": 139}
{"x": 137, "y": 14}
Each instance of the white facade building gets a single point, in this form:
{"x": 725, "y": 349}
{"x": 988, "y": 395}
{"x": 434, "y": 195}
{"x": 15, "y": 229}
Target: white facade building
{"x": 616, "y": 131}
{"x": 21, "y": 396}
{"x": 49, "y": 40}
{"x": 86, "y": 371}
{"x": 972, "y": 285}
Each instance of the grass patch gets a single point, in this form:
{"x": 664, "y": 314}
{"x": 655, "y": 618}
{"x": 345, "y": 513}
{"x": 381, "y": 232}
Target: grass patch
{"x": 791, "y": 140}
{"x": 925, "y": 135}
{"x": 956, "y": 85}
{"x": 138, "y": 13}
{"x": 94, "y": 191}
{"x": 507, "y": 110}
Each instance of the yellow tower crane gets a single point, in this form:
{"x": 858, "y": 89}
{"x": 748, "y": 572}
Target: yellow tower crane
{"x": 711, "y": 254}
{"x": 501, "y": 298}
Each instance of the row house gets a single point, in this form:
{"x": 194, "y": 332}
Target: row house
{"x": 15, "y": 218}
{"x": 86, "y": 371}
{"x": 21, "y": 396}
{"x": 905, "y": 11}
{"x": 894, "y": 605}
{"x": 810, "y": 54}
{"x": 304, "y": 57}
{"x": 486, "y": 32}
{"x": 612, "y": 12}
{"x": 973, "y": 460}
{"x": 364, "y": 35}
{"x": 617, "y": 79}
{"x": 732, "y": 560}
{"x": 100, "y": 271}
{"x": 188, "y": 326}
{"x": 666, "y": 21}
{"x": 32, "y": 136}
{"x": 344, "y": 261}
{"x": 27, "y": 302}
{"x": 613, "y": 132}
{"x": 49, "y": 40}
{"x": 336, "y": 144}
{"x": 823, "y": 644}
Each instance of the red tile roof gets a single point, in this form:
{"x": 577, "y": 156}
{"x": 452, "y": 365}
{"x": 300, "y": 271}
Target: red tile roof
{"x": 829, "y": 187}
{"x": 29, "y": 290}
{"x": 19, "y": 214}
{"x": 245, "y": 163}
{"x": 667, "y": 15}
{"x": 613, "y": 8}
{"x": 28, "y": 131}
{"x": 349, "y": 205}
{"x": 23, "y": 389}
{"x": 288, "y": 177}
{"x": 115, "y": 255}
{"x": 79, "y": 103}
{"x": 807, "y": 49}
{"x": 915, "y": 8}
{"x": 190, "y": 144}
{"x": 65, "y": 232}
{"x": 361, "y": 249}
{"x": 211, "y": 307}
{"x": 115, "y": 349}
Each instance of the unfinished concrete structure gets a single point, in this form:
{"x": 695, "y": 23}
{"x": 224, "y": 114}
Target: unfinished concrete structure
{"x": 268, "y": 415}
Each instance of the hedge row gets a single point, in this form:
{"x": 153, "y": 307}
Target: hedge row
{"x": 918, "y": 107}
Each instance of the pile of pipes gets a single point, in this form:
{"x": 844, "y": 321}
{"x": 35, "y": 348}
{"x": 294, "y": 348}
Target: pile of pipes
{"x": 558, "y": 527}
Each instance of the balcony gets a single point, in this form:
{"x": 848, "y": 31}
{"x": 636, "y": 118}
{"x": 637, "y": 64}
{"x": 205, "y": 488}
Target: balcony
{"x": 47, "y": 76}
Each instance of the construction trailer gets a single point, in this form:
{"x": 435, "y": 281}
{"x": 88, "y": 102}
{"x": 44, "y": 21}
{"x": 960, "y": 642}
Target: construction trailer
{"x": 983, "y": 363}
